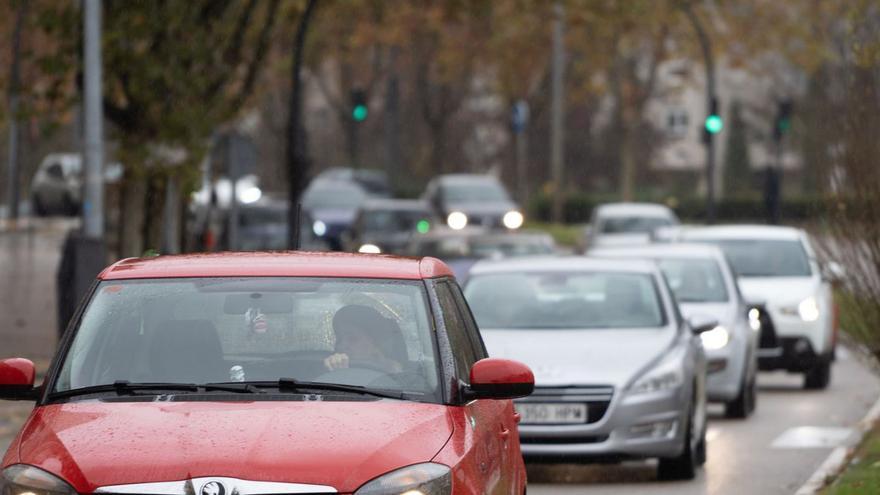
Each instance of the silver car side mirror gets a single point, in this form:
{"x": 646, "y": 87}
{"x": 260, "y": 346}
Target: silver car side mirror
{"x": 701, "y": 324}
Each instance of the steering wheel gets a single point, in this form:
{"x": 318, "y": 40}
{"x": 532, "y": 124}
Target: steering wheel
{"x": 360, "y": 372}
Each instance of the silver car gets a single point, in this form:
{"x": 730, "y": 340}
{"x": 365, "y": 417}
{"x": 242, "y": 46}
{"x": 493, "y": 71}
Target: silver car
{"x": 704, "y": 285}
{"x": 619, "y": 373}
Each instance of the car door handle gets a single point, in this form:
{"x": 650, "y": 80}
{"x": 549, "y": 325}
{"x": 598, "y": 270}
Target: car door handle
{"x": 517, "y": 417}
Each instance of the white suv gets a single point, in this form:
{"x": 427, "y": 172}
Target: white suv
{"x": 779, "y": 274}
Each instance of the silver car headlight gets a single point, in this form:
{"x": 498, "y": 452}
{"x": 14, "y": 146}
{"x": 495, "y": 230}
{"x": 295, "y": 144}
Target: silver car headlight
{"x": 21, "y": 479}
{"x": 715, "y": 339}
{"x": 420, "y": 479}
{"x": 668, "y": 375}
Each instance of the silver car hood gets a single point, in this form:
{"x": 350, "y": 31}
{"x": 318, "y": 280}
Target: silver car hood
{"x": 581, "y": 357}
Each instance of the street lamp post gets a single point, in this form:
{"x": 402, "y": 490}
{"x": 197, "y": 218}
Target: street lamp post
{"x": 711, "y": 107}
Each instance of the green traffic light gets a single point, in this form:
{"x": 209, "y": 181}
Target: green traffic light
{"x": 423, "y": 226}
{"x": 714, "y": 124}
{"x": 359, "y": 113}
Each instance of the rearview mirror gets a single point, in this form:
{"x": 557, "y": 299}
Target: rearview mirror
{"x": 495, "y": 378}
{"x": 833, "y": 271}
{"x": 17, "y": 379}
{"x": 701, "y": 324}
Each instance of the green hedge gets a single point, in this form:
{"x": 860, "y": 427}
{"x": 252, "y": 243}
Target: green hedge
{"x": 579, "y": 206}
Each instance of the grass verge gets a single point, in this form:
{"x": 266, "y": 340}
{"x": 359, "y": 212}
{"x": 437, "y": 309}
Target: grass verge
{"x": 862, "y": 475}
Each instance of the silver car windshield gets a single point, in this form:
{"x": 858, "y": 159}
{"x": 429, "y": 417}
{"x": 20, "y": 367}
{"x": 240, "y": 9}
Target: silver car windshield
{"x": 216, "y": 330}
{"x": 766, "y": 258}
{"x": 633, "y": 225}
{"x": 694, "y": 280}
{"x": 565, "y": 300}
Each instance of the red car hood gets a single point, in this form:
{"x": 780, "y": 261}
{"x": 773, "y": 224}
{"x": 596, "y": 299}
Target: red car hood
{"x": 340, "y": 444}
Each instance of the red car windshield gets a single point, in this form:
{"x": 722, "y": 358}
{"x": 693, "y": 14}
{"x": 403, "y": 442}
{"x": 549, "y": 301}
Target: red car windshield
{"x": 375, "y": 334}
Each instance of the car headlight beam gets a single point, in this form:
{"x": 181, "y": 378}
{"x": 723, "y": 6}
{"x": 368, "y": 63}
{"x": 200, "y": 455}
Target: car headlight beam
{"x": 370, "y": 249}
{"x": 513, "y": 220}
{"x": 715, "y": 339}
{"x": 808, "y": 309}
{"x": 319, "y": 228}
{"x": 21, "y": 479}
{"x": 457, "y": 220}
{"x": 420, "y": 479}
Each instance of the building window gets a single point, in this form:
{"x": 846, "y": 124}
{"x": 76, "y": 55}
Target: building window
{"x": 677, "y": 122}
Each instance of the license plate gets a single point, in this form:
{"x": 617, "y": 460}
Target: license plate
{"x": 552, "y": 413}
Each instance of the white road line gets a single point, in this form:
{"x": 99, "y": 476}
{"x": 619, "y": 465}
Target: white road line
{"x": 815, "y": 437}
{"x": 836, "y": 461}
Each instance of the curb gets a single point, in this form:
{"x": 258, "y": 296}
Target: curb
{"x": 839, "y": 458}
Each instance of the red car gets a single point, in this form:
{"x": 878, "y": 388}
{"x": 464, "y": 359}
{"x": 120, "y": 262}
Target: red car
{"x": 268, "y": 374}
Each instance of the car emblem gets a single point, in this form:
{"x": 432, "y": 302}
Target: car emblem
{"x": 213, "y": 488}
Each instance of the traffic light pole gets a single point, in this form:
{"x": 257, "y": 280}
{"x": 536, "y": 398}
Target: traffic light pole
{"x": 709, "y": 137}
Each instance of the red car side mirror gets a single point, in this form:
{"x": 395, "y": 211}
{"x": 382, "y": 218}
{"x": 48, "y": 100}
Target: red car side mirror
{"x": 17, "y": 379}
{"x": 495, "y": 378}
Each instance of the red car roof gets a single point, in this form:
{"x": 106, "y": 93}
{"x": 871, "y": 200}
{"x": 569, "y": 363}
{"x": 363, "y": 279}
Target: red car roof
{"x": 277, "y": 264}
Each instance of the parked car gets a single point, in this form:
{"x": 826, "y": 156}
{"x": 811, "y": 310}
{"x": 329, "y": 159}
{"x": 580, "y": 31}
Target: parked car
{"x": 270, "y": 373}
{"x": 387, "y": 225}
{"x": 462, "y": 200}
{"x": 620, "y": 224}
{"x": 619, "y": 374}
{"x": 333, "y": 204}
{"x": 704, "y": 285}
{"x": 56, "y": 188}
{"x": 374, "y": 182}
{"x": 461, "y": 249}
{"x": 778, "y": 273}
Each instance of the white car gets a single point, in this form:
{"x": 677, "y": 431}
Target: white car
{"x": 704, "y": 285}
{"x": 622, "y": 224}
{"x": 778, "y": 273}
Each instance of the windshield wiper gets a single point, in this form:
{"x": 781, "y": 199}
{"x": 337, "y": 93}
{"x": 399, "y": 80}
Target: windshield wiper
{"x": 292, "y": 385}
{"x": 124, "y": 387}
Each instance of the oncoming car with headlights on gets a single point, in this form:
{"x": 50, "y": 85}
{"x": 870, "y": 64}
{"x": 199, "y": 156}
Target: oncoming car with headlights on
{"x": 266, "y": 374}
{"x": 619, "y": 374}
{"x": 462, "y": 200}
{"x": 704, "y": 285}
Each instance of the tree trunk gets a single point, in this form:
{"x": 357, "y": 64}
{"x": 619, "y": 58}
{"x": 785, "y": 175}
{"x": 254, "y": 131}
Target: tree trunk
{"x": 155, "y": 206}
{"x": 627, "y": 162}
{"x": 131, "y": 225}
{"x": 392, "y": 125}
{"x": 438, "y": 151}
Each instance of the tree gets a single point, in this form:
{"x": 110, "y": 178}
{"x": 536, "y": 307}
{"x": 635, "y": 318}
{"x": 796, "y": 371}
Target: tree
{"x": 737, "y": 164}
{"x": 174, "y": 71}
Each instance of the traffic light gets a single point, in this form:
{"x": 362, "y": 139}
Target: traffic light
{"x": 714, "y": 123}
{"x": 359, "y": 108}
{"x": 783, "y": 119}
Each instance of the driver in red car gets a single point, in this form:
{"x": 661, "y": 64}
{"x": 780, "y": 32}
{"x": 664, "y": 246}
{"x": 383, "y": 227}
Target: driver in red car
{"x": 364, "y": 336}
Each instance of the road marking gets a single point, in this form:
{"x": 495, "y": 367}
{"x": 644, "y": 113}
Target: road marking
{"x": 815, "y": 437}
{"x": 836, "y": 461}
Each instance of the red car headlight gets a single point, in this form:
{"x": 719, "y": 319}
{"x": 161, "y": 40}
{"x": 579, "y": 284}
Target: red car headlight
{"x": 420, "y": 479}
{"x": 21, "y": 479}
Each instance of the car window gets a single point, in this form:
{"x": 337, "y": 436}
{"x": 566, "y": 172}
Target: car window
{"x": 392, "y": 220}
{"x": 766, "y": 258}
{"x": 456, "y": 330}
{"x": 472, "y": 192}
{"x": 55, "y": 171}
{"x": 558, "y": 300}
{"x": 633, "y": 225}
{"x": 204, "y": 330}
{"x": 695, "y": 280}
